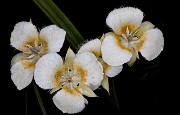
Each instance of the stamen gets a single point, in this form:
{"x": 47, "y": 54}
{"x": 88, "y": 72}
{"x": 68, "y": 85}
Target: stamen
{"x": 63, "y": 77}
{"x": 135, "y": 38}
{"x": 31, "y": 56}
{"x": 34, "y": 50}
{"x": 62, "y": 84}
{"x": 27, "y": 52}
{"x": 135, "y": 32}
{"x": 125, "y": 37}
{"x": 29, "y": 46}
{"x": 127, "y": 30}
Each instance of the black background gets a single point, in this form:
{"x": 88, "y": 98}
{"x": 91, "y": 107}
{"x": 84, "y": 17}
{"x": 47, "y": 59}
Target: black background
{"x": 137, "y": 94}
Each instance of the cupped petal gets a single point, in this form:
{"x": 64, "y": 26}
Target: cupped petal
{"x": 93, "y": 46}
{"x": 46, "y": 69}
{"x": 93, "y": 68}
{"x": 153, "y": 44}
{"x": 112, "y": 71}
{"x": 18, "y": 57}
{"x": 22, "y": 33}
{"x": 144, "y": 27}
{"x": 122, "y": 17}
{"x": 54, "y": 36}
{"x": 68, "y": 102}
{"x": 113, "y": 53}
{"x": 69, "y": 59}
{"x": 22, "y": 73}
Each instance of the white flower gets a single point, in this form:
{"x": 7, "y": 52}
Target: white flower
{"x": 130, "y": 36}
{"x": 70, "y": 80}
{"x": 33, "y": 45}
{"x": 94, "y": 46}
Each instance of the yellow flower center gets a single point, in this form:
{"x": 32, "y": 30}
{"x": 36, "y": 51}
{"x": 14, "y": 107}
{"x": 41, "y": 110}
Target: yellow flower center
{"x": 129, "y": 39}
{"x": 35, "y": 48}
{"x": 69, "y": 79}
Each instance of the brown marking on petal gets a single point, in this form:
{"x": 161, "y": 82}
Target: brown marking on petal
{"x": 118, "y": 42}
{"x": 81, "y": 71}
{"x": 139, "y": 46}
{"x": 30, "y": 41}
{"x": 123, "y": 27}
{"x": 45, "y": 45}
{"x": 28, "y": 63}
{"x": 57, "y": 75}
{"x": 74, "y": 91}
{"x": 96, "y": 53}
{"x": 34, "y": 42}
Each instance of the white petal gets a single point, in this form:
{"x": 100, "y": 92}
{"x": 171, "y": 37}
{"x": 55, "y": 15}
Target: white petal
{"x": 18, "y": 57}
{"x": 94, "y": 87}
{"x": 144, "y": 27}
{"x": 94, "y": 69}
{"x": 112, "y": 71}
{"x": 55, "y": 37}
{"x": 21, "y": 75}
{"x": 93, "y": 46}
{"x": 112, "y": 53}
{"x": 68, "y": 103}
{"x": 153, "y": 44}
{"x": 122, "y": 16}
{"x": 23, "y": 31}
{"x": 70, "y": 56}
{"x": 45, "y": 70}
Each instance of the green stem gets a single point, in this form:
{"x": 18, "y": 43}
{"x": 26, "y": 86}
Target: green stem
{"x": 55, "y": 14}
{"x": 114, "y": 96}
{"x": 39, "y": 99}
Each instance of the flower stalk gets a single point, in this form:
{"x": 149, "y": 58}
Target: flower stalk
{"x": 113, "y": 95}
{"x": 39, "y": 99}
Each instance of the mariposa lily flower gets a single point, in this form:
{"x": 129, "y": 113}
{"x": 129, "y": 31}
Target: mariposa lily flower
{"x": 94, "y": 46}
{"x": 32, "y": 45}
{"x": 129, "y": 37}
{"x": 69, "y": 80}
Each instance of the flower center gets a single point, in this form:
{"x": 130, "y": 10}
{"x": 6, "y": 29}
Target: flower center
{"x": 69, "y": 79}
{"x": 36, "y": 48}
{"x": 129, "y": 39}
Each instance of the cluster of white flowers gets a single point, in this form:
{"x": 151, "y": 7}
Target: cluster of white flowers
{"x": 82, "y": 73}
